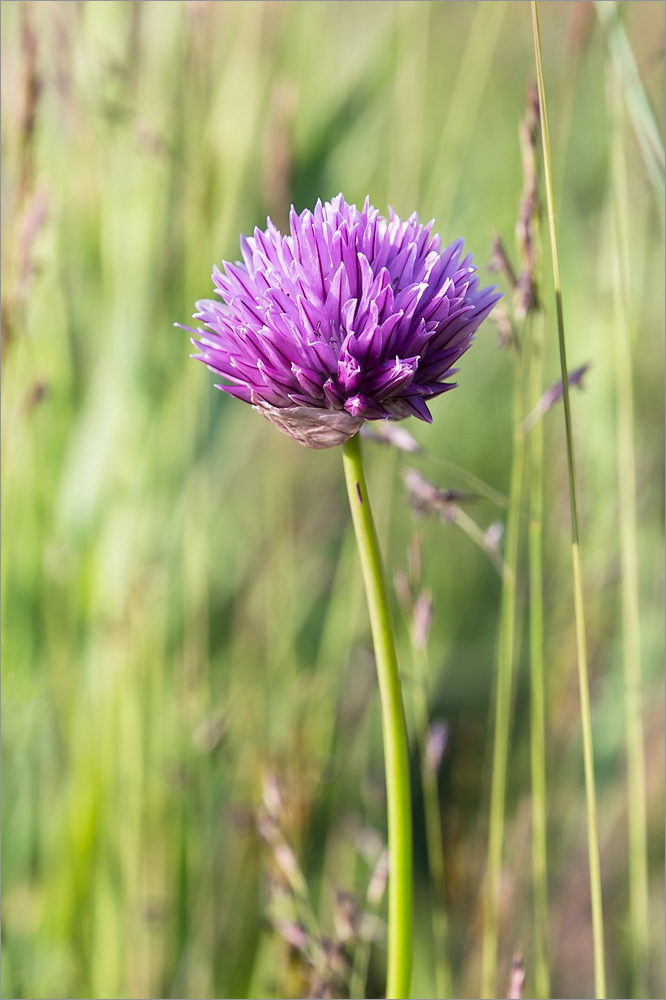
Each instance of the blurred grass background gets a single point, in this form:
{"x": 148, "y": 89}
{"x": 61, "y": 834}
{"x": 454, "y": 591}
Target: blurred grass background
{"x": 185, "y": 641}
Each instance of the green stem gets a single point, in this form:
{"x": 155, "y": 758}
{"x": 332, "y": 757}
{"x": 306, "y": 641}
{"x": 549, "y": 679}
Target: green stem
{"x": 396, "y": 759}
{"x": 583, "y": 675}
{"x": 537, "y": 680}
{"x": 505, "y": 663}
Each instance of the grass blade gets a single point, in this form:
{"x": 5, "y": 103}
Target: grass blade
{"x": 583, "y": 674}
{"x": 537, "y": 679}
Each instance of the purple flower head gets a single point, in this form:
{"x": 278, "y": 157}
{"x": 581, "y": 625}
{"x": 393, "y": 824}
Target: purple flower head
{"x": 350, "y": 317}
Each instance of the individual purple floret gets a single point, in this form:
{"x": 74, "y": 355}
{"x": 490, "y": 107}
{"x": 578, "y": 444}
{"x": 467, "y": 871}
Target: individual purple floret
{"x": 351, "y": 317}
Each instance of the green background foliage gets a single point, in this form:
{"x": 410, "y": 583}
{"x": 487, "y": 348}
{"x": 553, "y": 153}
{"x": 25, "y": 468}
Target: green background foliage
{"x": 182, "y": 609}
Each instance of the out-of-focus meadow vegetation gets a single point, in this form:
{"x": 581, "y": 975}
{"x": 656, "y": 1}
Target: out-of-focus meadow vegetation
{"x": 190, "y": 718}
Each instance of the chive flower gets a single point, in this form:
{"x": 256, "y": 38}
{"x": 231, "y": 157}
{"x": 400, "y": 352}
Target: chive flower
{"x": 350, "y": 317}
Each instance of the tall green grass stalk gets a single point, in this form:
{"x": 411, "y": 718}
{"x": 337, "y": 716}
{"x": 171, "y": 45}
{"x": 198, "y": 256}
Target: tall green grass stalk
{"x": 529, "y": 240}
{"x": 626, "y": 467}
{"x": 537, "y": 678}
{"x": 505, "y": 666}
{"x": 396, "y": 757}
{"x": 583, "y": 675}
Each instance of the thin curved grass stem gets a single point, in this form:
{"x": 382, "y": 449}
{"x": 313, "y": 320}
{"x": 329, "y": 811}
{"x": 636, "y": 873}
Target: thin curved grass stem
{"x": 583, "y": 675}
{"x": 537, "y": 677}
